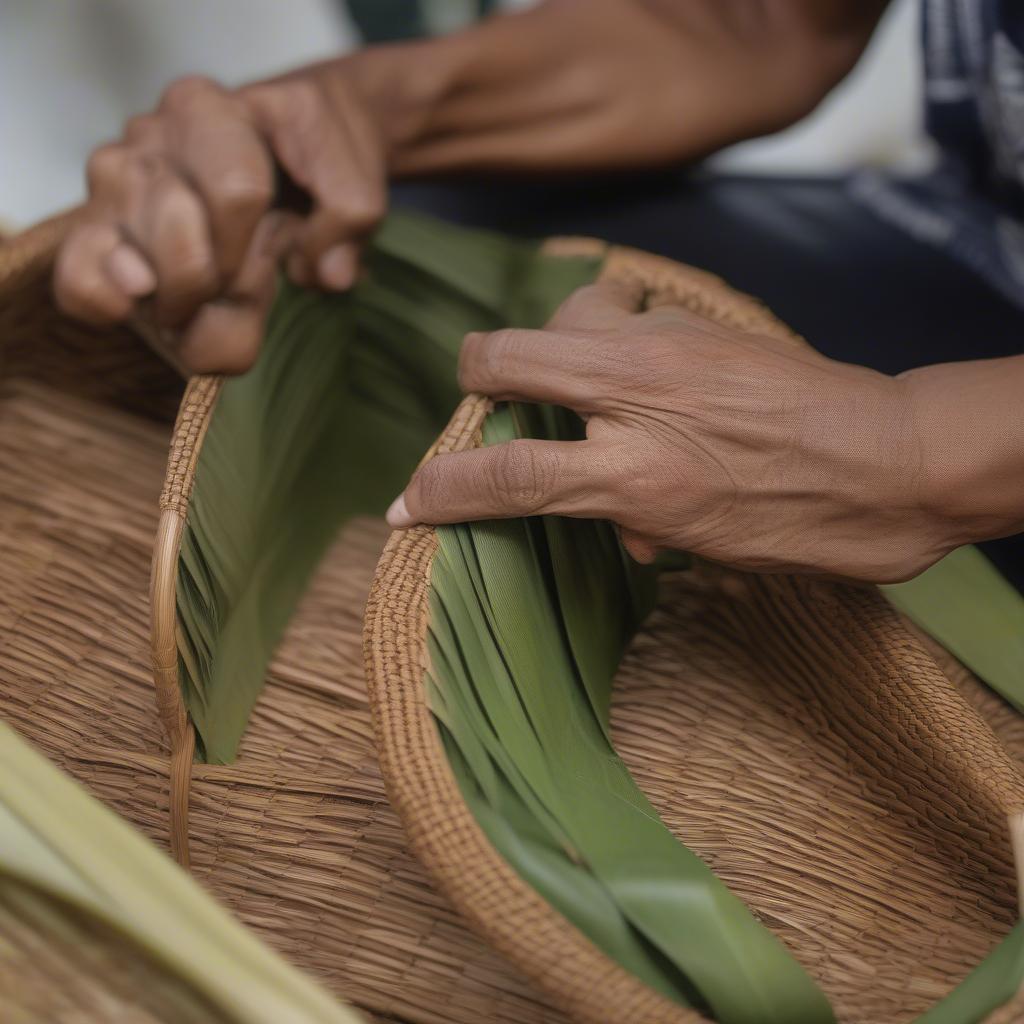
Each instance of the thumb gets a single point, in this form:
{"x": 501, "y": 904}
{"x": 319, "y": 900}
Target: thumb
{"x": 520, "y": 478}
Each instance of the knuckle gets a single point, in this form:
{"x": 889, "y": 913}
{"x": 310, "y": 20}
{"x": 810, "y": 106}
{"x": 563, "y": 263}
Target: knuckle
{"x": 260, "y": 98}
{"x": 304, "y": 100}
{"x": 195, "y": 277}
{"x": 242, "y": 193}
{"x": 364, "y": 206}
{"x": 659, "y": 316}
{"x": 429, "y": 485}
{"x": 522, "y": 478}
{"x": 184, "y": 93}
{"x": 578, "y": 301}
{"x": 141, "y": 127}
{"x": 357, "y": 209}
{"x": 497, "y": 355}
{"x": 611, "y": 360}
{"x": 197, "y": 274}
{"x": 298, "y": 105}
{"x": 105, "y": 165}
{"x": 142, "y": 168}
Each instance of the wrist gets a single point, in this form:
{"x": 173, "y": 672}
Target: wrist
{"x": 400, "y": 86}
{"x": 971, "y": 447}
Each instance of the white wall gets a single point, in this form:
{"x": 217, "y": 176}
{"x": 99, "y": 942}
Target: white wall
{"x": 72, "y": 70}
{"x": 873, "y": 117}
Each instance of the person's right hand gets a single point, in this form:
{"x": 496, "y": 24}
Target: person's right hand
{"x": 182, "y": 229}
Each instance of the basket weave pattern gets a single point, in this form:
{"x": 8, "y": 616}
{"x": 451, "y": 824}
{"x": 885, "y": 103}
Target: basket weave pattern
{"x": 297, "y": 837}
{"x": 847, "y": 791}
{"x": 794, "y": 734}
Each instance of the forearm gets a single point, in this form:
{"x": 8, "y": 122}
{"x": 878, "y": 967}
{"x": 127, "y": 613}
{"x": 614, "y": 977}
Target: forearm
{"x": 601, "y": 84}
{"x": 969, "y": 419}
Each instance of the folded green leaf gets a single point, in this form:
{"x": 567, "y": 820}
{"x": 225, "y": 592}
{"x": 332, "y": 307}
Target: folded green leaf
{"x": 66, "y": 861}
{"x": 975, "y": 613}
{"x": 348, "y": 393}
{"x": 538, "y": 615}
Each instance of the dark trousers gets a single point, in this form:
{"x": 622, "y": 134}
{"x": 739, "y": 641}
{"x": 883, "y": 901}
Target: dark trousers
{"x": 857, "y": 289}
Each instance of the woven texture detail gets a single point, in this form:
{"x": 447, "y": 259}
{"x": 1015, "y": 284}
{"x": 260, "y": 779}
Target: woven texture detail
{"x": 187, "y": 440}
{"x": 297, "y": 837}
{"x": 38, "y": 342}
{"x": 847, "y": 792}
{"x": 793, "y": 733}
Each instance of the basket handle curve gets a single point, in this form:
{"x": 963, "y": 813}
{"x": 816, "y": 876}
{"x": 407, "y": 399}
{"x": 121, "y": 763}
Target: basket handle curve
{"x": 190, "y": 428}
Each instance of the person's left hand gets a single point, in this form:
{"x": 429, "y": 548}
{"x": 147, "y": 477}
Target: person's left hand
{"x": 744, "y": 449}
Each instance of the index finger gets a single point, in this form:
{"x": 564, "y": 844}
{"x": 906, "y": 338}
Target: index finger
{"x": 525, "y": 477}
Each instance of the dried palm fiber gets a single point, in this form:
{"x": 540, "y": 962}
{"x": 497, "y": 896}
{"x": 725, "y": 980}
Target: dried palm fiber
{"x": 96, "y": 924}
{"x": 296, "y": 837}
{"x": 601, "y": 1013}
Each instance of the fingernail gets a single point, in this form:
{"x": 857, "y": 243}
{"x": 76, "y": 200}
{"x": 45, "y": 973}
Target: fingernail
{"x": 337, "y": 268}
{"x": 397, "y": 514}
{"x": 130, "y": 272}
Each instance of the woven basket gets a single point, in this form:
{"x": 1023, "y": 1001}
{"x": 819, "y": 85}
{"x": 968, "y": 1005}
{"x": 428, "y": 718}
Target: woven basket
{"x": 296, "y": 837}
{"x": 796, "y": 734}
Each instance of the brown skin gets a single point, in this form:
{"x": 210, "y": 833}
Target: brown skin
{"x": 699, "y": 437}
{"x": 181, "y": 224}
{"x": 736, "y": 446}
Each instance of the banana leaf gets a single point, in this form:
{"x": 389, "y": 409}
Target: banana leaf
{"x": 529, "y": 617}
{"x": 79, "y": 885}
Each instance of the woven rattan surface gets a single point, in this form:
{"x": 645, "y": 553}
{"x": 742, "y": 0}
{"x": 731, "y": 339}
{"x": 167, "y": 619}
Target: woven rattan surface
{"x": 794, "y": 734}
{"x": 36, "y": 341}
{"x": 859, "y": 812}
{"x": 296, "y": 837}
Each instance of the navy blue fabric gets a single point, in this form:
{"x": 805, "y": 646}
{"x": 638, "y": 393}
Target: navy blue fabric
{"x": 972, "y": 204}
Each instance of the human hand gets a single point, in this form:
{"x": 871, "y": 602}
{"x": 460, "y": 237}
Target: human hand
{"x": 742, "y": 448}
{"x": 181, "y": 223}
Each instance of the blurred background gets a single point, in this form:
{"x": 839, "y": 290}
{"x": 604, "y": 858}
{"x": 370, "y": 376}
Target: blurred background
{"x": 71, "y": 71}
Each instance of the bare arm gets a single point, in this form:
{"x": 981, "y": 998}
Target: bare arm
{"x": 181, "y": 219}
{"x": 585, "y": 84}
{"x": 969, "y": 424}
